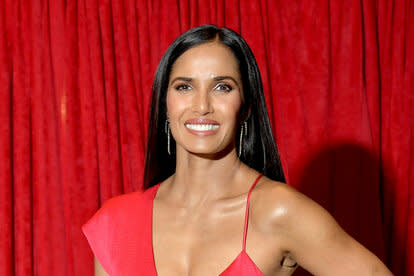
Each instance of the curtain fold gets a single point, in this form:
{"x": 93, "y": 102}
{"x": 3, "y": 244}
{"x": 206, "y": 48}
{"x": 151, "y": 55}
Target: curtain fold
{"x": 75, "y": 88}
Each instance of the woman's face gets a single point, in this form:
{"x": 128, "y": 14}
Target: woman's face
{"x": 204, "y": 98}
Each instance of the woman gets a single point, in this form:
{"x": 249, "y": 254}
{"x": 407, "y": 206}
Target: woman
{"x": 215, "y": 202}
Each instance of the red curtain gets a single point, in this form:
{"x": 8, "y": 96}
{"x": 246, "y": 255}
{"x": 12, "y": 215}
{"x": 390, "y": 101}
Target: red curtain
{"x": 75, "y": 84}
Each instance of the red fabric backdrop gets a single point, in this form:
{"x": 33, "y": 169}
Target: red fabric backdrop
{"x": 75, "y": 84}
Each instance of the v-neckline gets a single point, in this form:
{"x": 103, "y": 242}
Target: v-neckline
{"x": 153, "y": 265}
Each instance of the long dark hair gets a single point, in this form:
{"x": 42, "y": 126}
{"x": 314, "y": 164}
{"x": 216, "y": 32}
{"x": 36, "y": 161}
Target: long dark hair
{"x": 259, "y": 148}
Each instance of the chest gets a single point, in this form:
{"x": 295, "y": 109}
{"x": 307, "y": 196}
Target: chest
{"x": 208, "y": 241}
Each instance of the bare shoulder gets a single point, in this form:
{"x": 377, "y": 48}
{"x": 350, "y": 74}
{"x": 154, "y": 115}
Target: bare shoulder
{"x": 282, "y": 204}
{"x": 310, "y": 234}
{"x": 289, "y": 212}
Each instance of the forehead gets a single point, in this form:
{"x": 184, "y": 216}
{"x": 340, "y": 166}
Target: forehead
{"x": 207, "y": 59}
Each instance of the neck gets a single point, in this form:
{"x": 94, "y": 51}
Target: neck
{"x": 199, "y": 179}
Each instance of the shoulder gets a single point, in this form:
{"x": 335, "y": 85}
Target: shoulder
{"x": 309, "y": 233}
{"x": 120, "y": 223}
{"x": 119, "y": 209}
{"x": 119, "y": 203}
{"x": 276, "y": 199}
{"x": 283, "y": 207}
{"x": 130, "y": 200}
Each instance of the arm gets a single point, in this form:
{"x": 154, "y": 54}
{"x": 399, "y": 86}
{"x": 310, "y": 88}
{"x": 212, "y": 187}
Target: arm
{"x": 320, "y": 245}
{"x": 99, "y": 271}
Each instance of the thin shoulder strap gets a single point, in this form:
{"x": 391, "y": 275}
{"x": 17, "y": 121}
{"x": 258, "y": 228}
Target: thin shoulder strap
{"x": 246, "y": 217}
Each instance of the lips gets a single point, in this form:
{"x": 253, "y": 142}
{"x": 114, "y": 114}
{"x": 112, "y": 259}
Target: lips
{"x": 201, "y": 121}
{"x": 202, "y": 127}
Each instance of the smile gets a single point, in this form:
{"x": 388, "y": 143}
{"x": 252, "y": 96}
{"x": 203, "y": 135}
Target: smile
{"x": 202, "y": 127}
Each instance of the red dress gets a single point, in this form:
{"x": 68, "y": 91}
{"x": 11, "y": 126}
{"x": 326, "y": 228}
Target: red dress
{"x": 120, "y": 235}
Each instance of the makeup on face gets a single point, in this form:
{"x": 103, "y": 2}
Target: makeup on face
{"x": 202, "y": 127}
{"x": 204, "y": 98}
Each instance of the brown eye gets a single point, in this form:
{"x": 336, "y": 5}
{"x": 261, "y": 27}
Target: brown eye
{"x": 183, "y": 87}
{"x": 223, "y": 87}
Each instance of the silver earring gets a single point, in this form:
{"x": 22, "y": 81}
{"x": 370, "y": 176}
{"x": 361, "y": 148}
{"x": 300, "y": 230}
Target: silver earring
{"x": 243, "y": 132}
{"x": 167, "y": 131}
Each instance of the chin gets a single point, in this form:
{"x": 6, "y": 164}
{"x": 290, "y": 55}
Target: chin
{"x": 203, "y": 151}
{"x": 210, "y": 153}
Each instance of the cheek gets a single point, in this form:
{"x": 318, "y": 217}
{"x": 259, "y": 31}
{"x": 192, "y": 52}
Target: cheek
{"x": 231, "y": 109}
{"x": 176, "y": 107}
{"x": 173, "y": 105}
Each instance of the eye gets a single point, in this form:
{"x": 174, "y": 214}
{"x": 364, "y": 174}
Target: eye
{"x": 223, "y": 87}
{"x": 182, "y": 87}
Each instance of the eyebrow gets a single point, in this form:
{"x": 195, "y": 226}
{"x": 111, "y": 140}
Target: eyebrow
{"x": 218, "y": 78}
{"x": 182, "y": 79}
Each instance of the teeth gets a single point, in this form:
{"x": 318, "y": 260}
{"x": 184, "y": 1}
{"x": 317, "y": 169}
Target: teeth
{"x": 202, "y": 127}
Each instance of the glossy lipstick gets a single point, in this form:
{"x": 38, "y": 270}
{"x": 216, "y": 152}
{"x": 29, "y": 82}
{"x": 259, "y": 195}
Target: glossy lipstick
{"x": 202, "y": 127}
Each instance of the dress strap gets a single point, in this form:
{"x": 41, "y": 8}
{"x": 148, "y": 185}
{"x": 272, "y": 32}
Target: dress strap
{"x": 246, "y": 217}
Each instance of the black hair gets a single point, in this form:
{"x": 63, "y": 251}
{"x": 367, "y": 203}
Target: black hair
{"x": 259, "y": 148}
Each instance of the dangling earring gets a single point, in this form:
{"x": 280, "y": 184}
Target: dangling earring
{"x": 167, "y": 131}
{"x": 243, "y": 132}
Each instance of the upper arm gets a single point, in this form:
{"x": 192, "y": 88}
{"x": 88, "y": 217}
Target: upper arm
{"x": 99, "y": 270}
{"x": 320, "y": 245}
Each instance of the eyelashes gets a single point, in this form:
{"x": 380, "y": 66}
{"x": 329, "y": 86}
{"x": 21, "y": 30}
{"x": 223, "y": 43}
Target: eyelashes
{"x": 182, "y": 87}
{"x": 222, "y": 87}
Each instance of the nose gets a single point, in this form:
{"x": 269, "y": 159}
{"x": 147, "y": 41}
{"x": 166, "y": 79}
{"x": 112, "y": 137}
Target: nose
{"x": 201, "y": 103}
